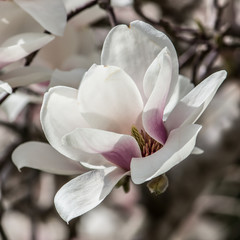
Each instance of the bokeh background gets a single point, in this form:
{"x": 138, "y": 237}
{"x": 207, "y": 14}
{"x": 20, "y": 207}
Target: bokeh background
{"x": 202, "y": 201}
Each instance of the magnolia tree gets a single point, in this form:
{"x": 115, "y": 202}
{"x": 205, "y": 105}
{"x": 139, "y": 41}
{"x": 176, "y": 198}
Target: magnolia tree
{"x": 110, "y": 93}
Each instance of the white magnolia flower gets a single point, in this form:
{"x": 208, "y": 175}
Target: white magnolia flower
{"x": 134, "y": 115}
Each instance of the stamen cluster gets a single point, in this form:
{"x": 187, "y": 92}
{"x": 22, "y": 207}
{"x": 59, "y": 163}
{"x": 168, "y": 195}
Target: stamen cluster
{"x": 147, "y": 144}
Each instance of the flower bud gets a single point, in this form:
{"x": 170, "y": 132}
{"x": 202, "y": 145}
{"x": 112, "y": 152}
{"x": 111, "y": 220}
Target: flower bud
{"x": 158, "y": 185}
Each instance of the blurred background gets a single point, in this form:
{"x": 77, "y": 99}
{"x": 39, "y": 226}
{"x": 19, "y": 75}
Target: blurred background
{"x": 202, "y": 201}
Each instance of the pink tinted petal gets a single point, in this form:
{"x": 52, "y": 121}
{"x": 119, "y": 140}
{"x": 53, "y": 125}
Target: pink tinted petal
{"x": 190, "y": 108}
{"x": 43, "y": 157}
{"x": 116, "y": 148}
{"x": 85, "y": 192}
{"x": 19, "y": 46}
{"x": 59, "y": 116}
{"x": 153, "y": 111}
{"x": 178, "y": 146}
{"x": 51, "y": 14}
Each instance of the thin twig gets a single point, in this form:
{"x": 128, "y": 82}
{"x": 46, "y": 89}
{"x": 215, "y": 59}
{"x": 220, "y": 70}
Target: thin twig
{"x": 3, "y": 234}
{"x": 220, "y": 10}
{"x": 81, "y": 8}
{"x": 112, "y": 16}
{"x": 168, "y": 27}
{"x": 187, "y": 56}
{"x": 30, "y": 58}
{"x": 2, "y": 231}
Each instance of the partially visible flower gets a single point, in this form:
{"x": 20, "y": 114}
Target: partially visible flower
{"x": 134, "y": 115}
{"x": 15, "y": 103}
{"x": 51, "y": 15}
{"x": 5, "y": 87}
{"x": 20, "y": 36}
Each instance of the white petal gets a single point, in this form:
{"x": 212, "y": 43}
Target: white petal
{"x": 161, "y": 70}
{"x": 59, "y": 116}
{"x": 15, "y": 21}
{"x": 178, "y": 146}
{"x": 134, "y": 48}
{"x": 26, "y": 75}
{"x": 122, "y": 3}
{"x": 197, "y": 151}
{"x": 116, "y": 148}
{"x": 19, "y": 46}
{"x": 43, "y": 157}
{"x": 5, "y": 87}
{"x": 85, "y": 192}
{"x": 183, "y": 87}
{"x": 67, "y": 78}
{"x": 50, "y": 14}
{"x": 15, "y": 104}
{"x": 190, "y": 108}
{"x": 109, "y": 99}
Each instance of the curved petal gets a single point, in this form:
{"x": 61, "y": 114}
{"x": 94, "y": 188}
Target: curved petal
{"x": 85, "y": 192}
{"x": 183, "y": 87}
{"x": 134, "y": 48}
{"x": 15, "y": 104}
{"x": 50, "y": 14}
{"x": 117, "y": 148}
{"x": 178, "y": 146}
{"x": 59, "y": 116}
{"x": 190, "y": 108}
{"x": 21, "y": 45}
{"x": 43, "y": 157}
{"x": 67, "y": 78}
{"x": 5, "y": 87}
{"x": 26, "y": 75}
{"x": 152, "y": 117}
{"x": 197, "y": 151}
{"x": 109, "y": 99}
{"x": 15, "y": 21}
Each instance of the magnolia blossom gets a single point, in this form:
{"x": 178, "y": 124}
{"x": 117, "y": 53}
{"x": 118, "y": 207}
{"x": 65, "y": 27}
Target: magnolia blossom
{"x": 134, "y": 115}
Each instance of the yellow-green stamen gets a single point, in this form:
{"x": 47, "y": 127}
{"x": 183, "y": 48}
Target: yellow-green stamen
{"x": 147, "y": 144}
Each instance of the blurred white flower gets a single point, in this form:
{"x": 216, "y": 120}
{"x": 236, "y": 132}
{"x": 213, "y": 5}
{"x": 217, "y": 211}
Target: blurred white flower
{"x": 221, "y": 115}
{"x": 51, "y": 15}
{"x": 20, "y": 36}
{"x": 17, "y": 41}
{"x": 15, "y": 103}
{"x": 133, "y": 115}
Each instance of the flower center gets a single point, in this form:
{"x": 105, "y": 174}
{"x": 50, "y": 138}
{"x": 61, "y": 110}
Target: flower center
{"x": 147, "y": 144}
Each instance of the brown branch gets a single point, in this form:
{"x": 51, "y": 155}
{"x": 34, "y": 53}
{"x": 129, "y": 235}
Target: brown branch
{"x": 112, "y": 17}
{"x": 82, "y": 8}
{"x": 220, "y": 9}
